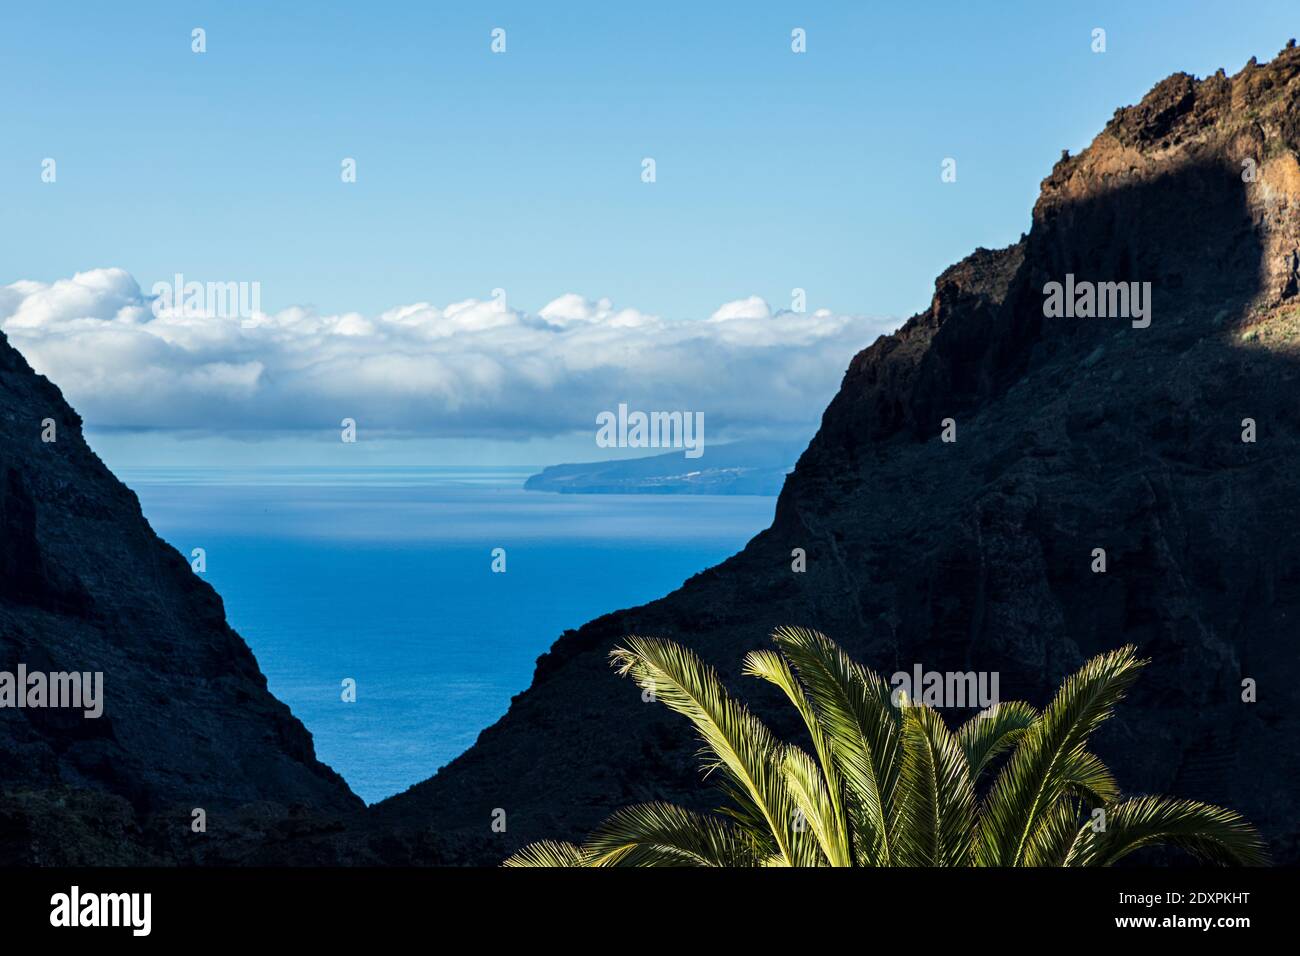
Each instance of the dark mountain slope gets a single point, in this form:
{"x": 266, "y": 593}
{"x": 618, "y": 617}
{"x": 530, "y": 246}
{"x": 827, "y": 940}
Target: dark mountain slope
{"x": 1073, "y": 434}
{"x": 86, "y": 585}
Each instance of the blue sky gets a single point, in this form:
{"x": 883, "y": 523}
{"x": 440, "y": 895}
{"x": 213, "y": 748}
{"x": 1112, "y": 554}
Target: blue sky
{"x": 522, "y": 171}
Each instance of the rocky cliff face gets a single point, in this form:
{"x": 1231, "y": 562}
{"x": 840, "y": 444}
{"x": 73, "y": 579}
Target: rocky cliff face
{"x": 187, "y": 722}
{"x": 1072, "y": 434}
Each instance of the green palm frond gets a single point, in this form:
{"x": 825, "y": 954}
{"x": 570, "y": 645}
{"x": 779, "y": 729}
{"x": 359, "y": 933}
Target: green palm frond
{"x": 1084, "y": 775}
{"x": 864, "y": 730}
{"x": 1088, "y": 786}
{"x": 1054, "y": 837}
{"x": 550, "y": 853}
{"x": 1207, "y": 832}
{"x": 1034, "y": 778}
{"x": 936, "y": 819}
{"x": 889, "y": 786}
{"x": 816, "y": 812}
{"x": 992, "y": 731}
{"x": 740, "y": 745}
{"x": 832, "y": 828}
{"x": 662, "y": 834}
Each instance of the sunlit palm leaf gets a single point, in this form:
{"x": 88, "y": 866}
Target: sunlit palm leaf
{"x": 1034, "y": 778}
{"x": 1087, "y": 785}
{"x": 549, "y": 853}
{"x": 1052, "y": 840}
{"x": 1207, "y": 832}
{"x": 890, "y": 785}
{"x": 739, "y": 744}
{"x": 990, "y": 732}
{"x": 863, "y": 728}
{"x": 1084, "y": 775}
{"x": 816, "y": 813}
{"x": 661, "y": 834}
{"x": 935, "y": 796}
{"x": 832, "y": 828}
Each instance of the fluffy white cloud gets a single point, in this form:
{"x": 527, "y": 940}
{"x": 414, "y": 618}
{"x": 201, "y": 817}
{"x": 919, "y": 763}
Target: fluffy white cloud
{"x": 753, "y": 307}
{"x": 472, "y": 368}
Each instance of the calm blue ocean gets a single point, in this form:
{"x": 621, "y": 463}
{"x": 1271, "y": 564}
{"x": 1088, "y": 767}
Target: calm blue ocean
{"x": 385, "y": 576}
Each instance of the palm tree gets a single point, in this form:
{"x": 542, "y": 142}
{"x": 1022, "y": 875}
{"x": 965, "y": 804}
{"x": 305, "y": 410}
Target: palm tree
{"x": 887, "y": 783}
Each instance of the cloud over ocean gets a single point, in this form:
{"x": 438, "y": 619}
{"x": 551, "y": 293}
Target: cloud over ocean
{"x": 473, "y": 368}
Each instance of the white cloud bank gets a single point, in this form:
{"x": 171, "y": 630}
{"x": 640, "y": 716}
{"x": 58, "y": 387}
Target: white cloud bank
{"x": 468, "y": 369}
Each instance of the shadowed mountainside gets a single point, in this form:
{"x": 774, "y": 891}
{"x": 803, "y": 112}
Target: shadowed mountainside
{"x": 1072, "y": 434}
{"x": 86, "y": 585}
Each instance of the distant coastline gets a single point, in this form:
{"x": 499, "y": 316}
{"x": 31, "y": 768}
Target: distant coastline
{"x": 739, "y": 468}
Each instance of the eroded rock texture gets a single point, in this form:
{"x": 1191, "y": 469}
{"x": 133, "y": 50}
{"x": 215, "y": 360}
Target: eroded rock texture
{"x": 1073, "y": 434}
{"x": 86, "y": 585}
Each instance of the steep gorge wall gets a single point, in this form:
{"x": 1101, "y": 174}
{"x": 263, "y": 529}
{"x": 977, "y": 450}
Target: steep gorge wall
{"x": 86, "y": 585}
{"x": 1073, "y": 434}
